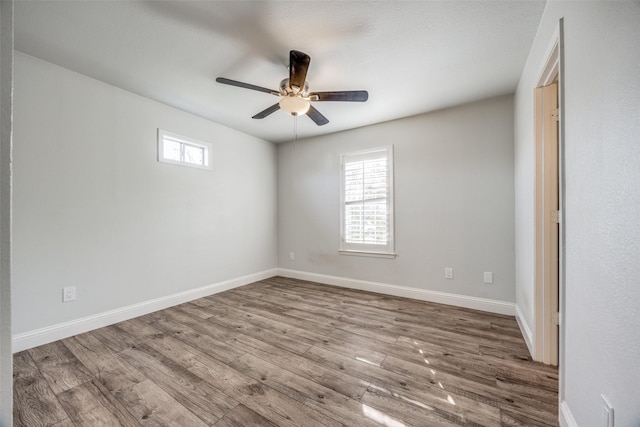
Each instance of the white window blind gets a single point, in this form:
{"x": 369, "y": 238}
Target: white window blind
{"x": 182, "y": 150}
{"x": 367, "y": 201}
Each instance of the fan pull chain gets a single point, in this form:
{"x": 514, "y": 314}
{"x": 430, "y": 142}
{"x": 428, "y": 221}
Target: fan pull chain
{"x": 295, "y": 131}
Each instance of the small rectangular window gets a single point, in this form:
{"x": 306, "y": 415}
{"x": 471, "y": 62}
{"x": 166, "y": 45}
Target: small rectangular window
{"x": 367, "y": 203}
{"x": 182, "y": 150}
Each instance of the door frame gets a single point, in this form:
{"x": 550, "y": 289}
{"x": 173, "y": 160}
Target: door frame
{"x": 546, "y": 348}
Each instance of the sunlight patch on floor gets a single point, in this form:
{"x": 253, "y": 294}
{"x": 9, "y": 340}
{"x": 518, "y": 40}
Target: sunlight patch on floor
{"x": 415, "y": 402}
{"x": 380, "y": 417}
{"x": 366, "y": 361}
{"x": 384, "y": 390}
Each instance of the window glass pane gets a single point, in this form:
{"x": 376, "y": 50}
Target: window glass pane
{"x": 182, "y": 150}
{"x": 194, "y": 154}
{"x": 171, "y": 150}
{"x": 366, "y": 193}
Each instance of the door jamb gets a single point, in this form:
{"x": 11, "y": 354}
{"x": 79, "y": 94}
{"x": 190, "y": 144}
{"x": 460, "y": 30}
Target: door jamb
{"x": 552, "y": 68}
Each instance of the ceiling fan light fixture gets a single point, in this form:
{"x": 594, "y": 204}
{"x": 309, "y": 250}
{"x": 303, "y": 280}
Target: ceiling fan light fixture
{"x": 294, "y": 105}
{"x": 295, "y": 98}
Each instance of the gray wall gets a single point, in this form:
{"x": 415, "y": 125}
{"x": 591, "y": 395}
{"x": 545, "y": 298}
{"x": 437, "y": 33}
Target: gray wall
{"x": 94, "y": 209}
{"x": 6, "y": 110}
{"x": 601, "y": 346}
{"x": 454, "y": 200}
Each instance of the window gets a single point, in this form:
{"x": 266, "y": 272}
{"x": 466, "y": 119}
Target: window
{"x": 181, "y": 150}
{"x": 367, "y": 203}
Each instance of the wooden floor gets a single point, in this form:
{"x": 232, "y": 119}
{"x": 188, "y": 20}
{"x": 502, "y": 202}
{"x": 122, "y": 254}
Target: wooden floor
{"x": 286, "y": 352}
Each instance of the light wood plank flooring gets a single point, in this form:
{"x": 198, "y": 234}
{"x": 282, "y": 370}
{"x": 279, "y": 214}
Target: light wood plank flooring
{"x": 284, "y": 352}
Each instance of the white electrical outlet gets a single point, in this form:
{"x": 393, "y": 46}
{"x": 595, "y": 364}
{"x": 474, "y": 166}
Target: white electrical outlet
{"x": 448, "y": 273}
{"x": 68, "y": 293}
{"x": 292, "y": 256}
{"x": 488, "y": 277}
{"x": 607, "y": 413}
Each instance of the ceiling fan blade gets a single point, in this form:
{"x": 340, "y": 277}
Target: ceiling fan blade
{"x": 345, "y": 95}
{"x": 298, "y": 67}
{"x": 246, "y": 85}
{"x": 264, "y": 113}
{"x": 316, "y": 116}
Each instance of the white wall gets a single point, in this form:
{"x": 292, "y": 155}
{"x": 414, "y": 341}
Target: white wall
{"x": 454, "y": 199}
{"x": 6, "y": 110}
{"x": 602, "y": 213}
{"x": 95, "y": 209}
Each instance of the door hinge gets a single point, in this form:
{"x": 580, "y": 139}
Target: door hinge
{"x": 555, "y": 114}
{"x": 555, "y": 217}
{"x": 555, "y": 318}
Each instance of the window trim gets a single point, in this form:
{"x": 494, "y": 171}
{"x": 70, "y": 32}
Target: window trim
{"x": 183, "y": 140}
{"x": 364, "y": 249}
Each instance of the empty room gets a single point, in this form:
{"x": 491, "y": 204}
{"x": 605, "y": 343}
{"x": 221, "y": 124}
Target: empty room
{"x": 320, "y": 213}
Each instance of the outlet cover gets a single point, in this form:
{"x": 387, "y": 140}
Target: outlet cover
{"x": 448, "y": 273}
{"x": 68, "y": 293}
{"x": 488, "y": 277}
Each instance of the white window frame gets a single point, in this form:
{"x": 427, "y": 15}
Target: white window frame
{"x": 164, "y": 135}
{"x": 367, "y": 249}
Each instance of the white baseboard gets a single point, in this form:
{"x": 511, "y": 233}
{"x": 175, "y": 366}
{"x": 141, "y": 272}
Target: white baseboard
{"x": 566, "y": 417}
{"x": 63, "y": 330}
{"x": 526, "y": 331}
{"x": 492, "y": 306}
{"x": 59, "y": 331}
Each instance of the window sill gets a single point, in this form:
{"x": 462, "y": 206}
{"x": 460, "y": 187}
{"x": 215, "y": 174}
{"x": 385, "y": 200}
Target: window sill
{"x": 389, "y": 255}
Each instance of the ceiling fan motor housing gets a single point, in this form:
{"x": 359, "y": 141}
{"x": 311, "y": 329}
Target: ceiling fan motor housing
{"x": 287, "y": 90}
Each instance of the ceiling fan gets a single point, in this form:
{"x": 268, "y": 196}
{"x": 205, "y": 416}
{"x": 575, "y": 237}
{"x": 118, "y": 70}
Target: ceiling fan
{"x": 294, "y": 94}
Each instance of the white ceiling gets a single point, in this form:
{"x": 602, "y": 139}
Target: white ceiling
{"x": 412, "y": 56}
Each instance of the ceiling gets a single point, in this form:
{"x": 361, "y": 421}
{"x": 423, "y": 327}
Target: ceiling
{"x": 412, "y": 56}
